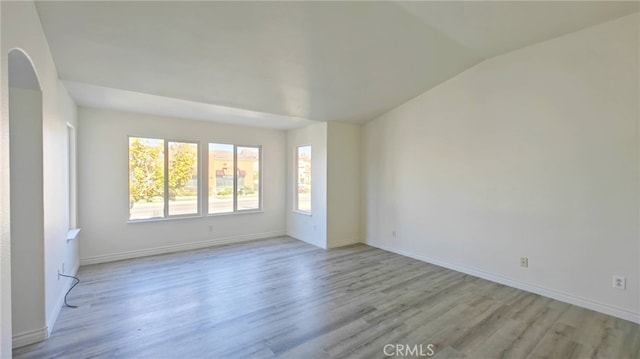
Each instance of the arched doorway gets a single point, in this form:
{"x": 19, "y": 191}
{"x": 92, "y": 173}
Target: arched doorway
{"x": 26, "y": 203}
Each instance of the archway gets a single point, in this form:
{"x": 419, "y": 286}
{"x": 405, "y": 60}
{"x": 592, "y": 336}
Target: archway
{"x": 26, "y": 204}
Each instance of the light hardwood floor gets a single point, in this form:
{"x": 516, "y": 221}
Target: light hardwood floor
{"x": 287, "y": 299}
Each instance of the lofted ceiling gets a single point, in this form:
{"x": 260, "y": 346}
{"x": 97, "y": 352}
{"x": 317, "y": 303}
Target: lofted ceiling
{"x": 283, "y": 64}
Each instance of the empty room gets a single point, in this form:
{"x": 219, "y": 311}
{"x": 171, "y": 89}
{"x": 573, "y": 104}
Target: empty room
{"x": 319, "y": 179}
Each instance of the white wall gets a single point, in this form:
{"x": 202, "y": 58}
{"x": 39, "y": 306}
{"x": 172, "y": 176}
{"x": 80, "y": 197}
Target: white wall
{"x": 335, "y": 184}
{"x": 103, "y": 187}
{"x": 56, "y": 201}
{"x": 27, "y": 211}
{"x": 311, "y": 228}
{"x": 534, "y": 153}
{"x": 21, "y": 29}
{"x": 5, "y": 205}
{"x": 343, "y": 184}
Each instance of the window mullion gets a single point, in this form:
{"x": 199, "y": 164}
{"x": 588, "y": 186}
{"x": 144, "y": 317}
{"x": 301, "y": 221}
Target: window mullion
{"x": 166, "y": 178}
{"x": 235, "y": 178}
{"x": 259, "y": 178}
{"x": 203, "y": 179}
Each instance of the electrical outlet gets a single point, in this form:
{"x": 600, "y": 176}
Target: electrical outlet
{"x": 619, "y": 282}
{"x": 393, "y": 233}
{"x": 524, "y": 262}
{"x": 210, "y": 228}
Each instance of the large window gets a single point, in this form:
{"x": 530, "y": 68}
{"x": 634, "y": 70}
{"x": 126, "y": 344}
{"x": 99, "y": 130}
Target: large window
{"x": 164, "y": 178}
{"x": 162, "y": 185}
{"x": 303, "y": 177}
{"x": 234, "y": 178}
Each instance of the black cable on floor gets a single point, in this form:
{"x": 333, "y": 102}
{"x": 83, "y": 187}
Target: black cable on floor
{"x": 74, "y": 284}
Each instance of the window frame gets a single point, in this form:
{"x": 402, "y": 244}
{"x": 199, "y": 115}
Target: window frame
{"x": 165, "y": 192}
{"x": 235, "y": 209}
{"x": 202, "y": 179}
{"x": 296, "y": 201}
{"x": 166, "y": 180}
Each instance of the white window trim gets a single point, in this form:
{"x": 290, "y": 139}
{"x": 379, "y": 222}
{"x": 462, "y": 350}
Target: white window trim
{"x": 295, "y": 181}
{"x": 201, "y": 182}
{"x": 166, "y": 180}
{"x": 235, "y": 180}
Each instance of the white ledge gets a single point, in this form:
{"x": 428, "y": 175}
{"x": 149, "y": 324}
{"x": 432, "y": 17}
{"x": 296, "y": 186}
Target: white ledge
{"x": 304, "y": 213}
{"x": 72, "y": 234}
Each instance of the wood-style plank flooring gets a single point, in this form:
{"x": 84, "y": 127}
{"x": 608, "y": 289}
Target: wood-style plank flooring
{"x": 282, "y": 298}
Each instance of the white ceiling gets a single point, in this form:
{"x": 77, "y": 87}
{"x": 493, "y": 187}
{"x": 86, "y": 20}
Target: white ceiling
{"x": 290, "y": 61}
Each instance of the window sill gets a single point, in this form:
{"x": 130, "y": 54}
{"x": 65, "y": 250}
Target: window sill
{"x": 72, "y": 234}
{"x": 248, "y": 211}
{"x": 302, "y": 212}
{"x": 173, "y": 218}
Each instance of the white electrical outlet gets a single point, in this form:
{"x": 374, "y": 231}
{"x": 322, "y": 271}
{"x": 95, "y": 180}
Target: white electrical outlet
{"x": 393, "y": 233}
{"x": 524, "y": 262}
{"x": 619, "y": 282}
{"x": 210, "y": 228}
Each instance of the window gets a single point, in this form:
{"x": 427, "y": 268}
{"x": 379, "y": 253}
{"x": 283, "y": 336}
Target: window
{"x": 303, "y": 177}
{"x": 248, "y": 189}
{"x": 160, "y": 185}
{"x": 221, "y": 167}
{"x": 164, "y": 178}
{"x": 234, "y": 178}
{"x": 183, "y": 178}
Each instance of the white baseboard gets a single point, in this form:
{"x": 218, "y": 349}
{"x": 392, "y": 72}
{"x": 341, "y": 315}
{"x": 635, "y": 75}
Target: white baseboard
{"x": 30, "y": 337}
{"x": 51, "y": 321}
{"x": 343, "y": 242}
{"x": 319, "y": 245}
{"x": 551, "y": 293}
{"x": 178, "y": 247}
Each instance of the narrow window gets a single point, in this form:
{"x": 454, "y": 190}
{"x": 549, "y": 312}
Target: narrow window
{"x": 248, "y": 178}
{"x": 146, "y": 178}
{"x": 183, "y": 178}
{"x": 221, "y": 179}
{"x": 303, "y": 176}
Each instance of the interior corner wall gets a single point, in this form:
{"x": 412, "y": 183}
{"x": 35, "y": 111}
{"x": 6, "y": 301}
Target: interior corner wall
{"x": 311, "y": 228}
{"x": 534, "y": 154}
{"x": 58, "y": 251}
{"x": 21, "y": 29}
{"x": 5, "y": 249}
{"x": 103, "y": 179}
{"x": 27, "y": 211}
{"x": 343, "y": 184}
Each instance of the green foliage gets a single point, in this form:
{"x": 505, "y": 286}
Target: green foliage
{"x": 225, "y": 191}
{"x": 146, "y": 169}
{"x": 146, "y": 172}
{"x": 246, "y": 190}
{"x": 182, "y": 167}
